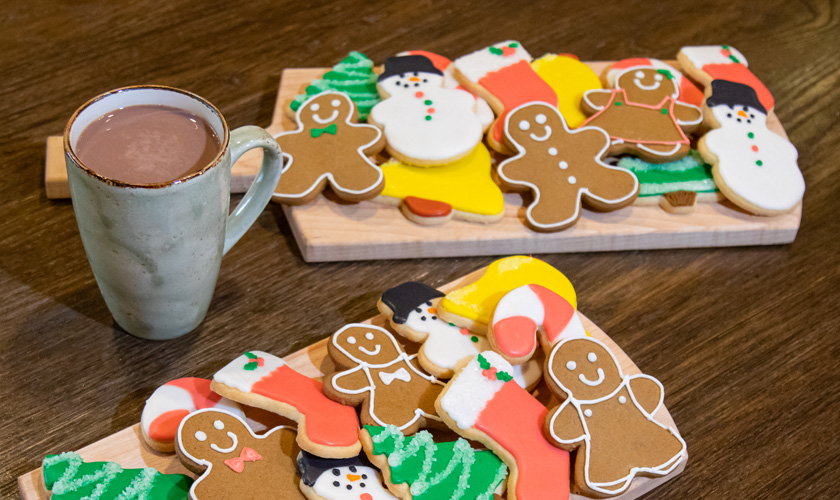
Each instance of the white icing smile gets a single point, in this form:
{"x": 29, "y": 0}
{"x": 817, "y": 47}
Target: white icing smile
{"x": 322, "y": 121}
{"x": 655, "y": 85}
{"x": 544, "y": 137}
{"x": 369, "y": 352}
{"x": 593, "y": 383}
{"x": 232, "y": 447}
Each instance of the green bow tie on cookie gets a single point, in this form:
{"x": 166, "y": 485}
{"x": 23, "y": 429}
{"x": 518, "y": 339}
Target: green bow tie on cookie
{"x": 318, "y": 132}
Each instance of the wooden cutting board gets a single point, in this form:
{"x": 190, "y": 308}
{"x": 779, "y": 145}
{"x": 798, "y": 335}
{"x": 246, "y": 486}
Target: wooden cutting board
{"x": 128, "y": 448}
{"x": 329, "y": 231}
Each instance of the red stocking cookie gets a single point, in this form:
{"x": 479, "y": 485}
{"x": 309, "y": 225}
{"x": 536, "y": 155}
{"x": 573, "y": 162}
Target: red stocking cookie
{"x": 722, "y": 62}
{"x": 483, "y": 403}
{"x": 329, "y": 147}
{"x": 381, "y": 377}
{"x": 608, "y": 418}
{"x": 561, "y": 166}
{"x": 259, "y": 379}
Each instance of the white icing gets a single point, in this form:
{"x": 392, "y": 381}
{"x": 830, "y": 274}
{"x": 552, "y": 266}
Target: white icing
{"x": 622, "y": 399}
{"x": 521, "y": 301}
{"x": 218, "y": 424}
{"x": 445, "y": 345}
{"x": 401, "y": 374}
{"x": 235, "y": 375}
{"x": 571, "y": 365}
{"x": 593, "y": 383}
{"x": 542, "y": 138}
{"x": 201, "y": 436}
{"x": 553, "y": 152}
{"x": 371, "y": 352}
{"x": 481, "y": 62}
{"x": 369, "y": 336}
{"x": 324, "y": 486}
{"x": 470, "y": 391}
{"x": 233, "y": 439}
{"x": 326, "y": 120}
{"x": 702, "y": 55}
{"x": 168, "y": 397}
{"x": 351, "y": 340}
{"x": 587, "y": 412}
{"x": 563, "y": 165}
{"x": 572, "y": 179}
{"x": 592, "y": 357}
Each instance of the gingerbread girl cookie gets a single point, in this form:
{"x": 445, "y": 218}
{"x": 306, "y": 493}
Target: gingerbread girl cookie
{"x": 561, "y": 166}
{"x": 329, "y": 147}
{"x": 608, "y": 418}
{"x": 234, "y": 463}
{"x": 642, "y": 114}
{"x": 380, "y": 376}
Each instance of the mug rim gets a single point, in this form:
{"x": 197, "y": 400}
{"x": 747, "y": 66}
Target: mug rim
{"x": 155, "y": 185}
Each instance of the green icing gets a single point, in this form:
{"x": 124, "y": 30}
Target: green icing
{"x": 354, "y": 76}
{"x": 686, "y": 174}
{"x": 438, "y": 471}
{"x": 68, "y": 477}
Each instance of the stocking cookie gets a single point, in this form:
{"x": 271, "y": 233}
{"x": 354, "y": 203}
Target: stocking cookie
{"x": 705, "y": 63}
{"x": 380, "y": 376}
{"x": 412, "y": 311}
{"x": 642, "y": 114}
{"x": 502, "y": 75}
{"x": 569, "y": 78}
{"x": 259, "y": 379}
{"x": 235, "y": 463}
{"x": 526, "y": 313}
{"x": 418, "y": 468}
{"x": 68, "y": 477}
{"x": 561, "y": 167}
{"x": 753, "y": 167}
{"x": 353, "y": 76}
{"x": 608, "y": 418}
{"x": 424, "y": 122}
{"x": 686, "y": 92}
{"x": 340, "y": 479}
{"x": 328, "y": 147}
{"x": 483, "y": 404}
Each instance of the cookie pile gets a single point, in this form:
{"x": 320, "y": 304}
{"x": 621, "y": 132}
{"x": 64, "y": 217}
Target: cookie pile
{"x": 449, "y": 136}
{"x": 447, "y": 414}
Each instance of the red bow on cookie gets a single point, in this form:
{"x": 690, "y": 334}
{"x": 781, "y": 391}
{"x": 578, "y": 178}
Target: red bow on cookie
{"x": 246, "y": 455}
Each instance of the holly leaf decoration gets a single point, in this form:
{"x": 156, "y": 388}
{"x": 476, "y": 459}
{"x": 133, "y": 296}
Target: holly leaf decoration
{"x": 496, "y": 51}
{"x": 253, "y": 364}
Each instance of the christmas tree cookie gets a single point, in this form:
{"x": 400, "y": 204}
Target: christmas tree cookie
{"x": 353, "y": 76}
{"x": 418, "y": 468}
{"x": 68, "y": 477}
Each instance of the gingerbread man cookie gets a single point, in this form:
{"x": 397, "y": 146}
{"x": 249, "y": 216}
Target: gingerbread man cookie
{"x": 329, "y": 147}
{"x": 380, "y": 376}
{"x": 561, "y": 166}
{"x": 234, "y": 463}
{"x": 608, "y": 418}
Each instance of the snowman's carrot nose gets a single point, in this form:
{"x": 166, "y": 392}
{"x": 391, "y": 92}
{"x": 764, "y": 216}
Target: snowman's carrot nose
{"x": 742, "y": 114}
{"x": 353, "y": 477}
{"x": 432, "y": 310}
{"x": 413, "y": 79}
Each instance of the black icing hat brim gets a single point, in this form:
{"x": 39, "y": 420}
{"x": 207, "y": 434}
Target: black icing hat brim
{"x": 400, "y": 65}
{"x": 732, "y": 94}
{"x": 404, "y": 298}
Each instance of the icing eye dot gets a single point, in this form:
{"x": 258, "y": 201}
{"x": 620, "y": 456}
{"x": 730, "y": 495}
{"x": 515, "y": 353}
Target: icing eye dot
{"x": 369, "y": 336}
{"x": 315, "y": 107}
{"x": 592, "y": 357}
{"x": 571, "y": 365}
{"x": 524, "y": 125}
{"x": 658, "y": 77}
{"x": 429, "y": 303}
{"x": 362, "y": 485}
{"x": 349, "y": 486}
{"x": 434, "y": 317}
{"x": 540, "y": 118}
{"x": 219, "y": 424}
{"x": 351, "y": 340}
{"x": 364, "y": 476}
{"x": 552, "y": 151}
{"x": 425, "y": 80}
{"x": 336, "y": 472}
{"x": 564, "y": 165}
{"x": 640, "y": 74}
{"x": 422, "y": 318}
{"x": 572, "y": 179}
{"x": 201, "y": 436}
{"x": 729, "y": 115}
{"x": 335, "y": 103}
{"x": 752, "y": 116}
{"x": 336, "y": 484}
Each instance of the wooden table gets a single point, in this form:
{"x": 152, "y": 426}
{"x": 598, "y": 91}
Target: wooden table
{"x": 744, "y": 339}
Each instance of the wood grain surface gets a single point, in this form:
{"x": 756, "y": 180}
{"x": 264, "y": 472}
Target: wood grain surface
{"x": 745, "y": 340}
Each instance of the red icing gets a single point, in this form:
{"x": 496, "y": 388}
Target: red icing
{"x": 489, "y": 373}
{"x": 427, "y": 208}
{"x": 514, "y": 419}
{"x": 514, "y": 85}
{"x": 558, "y": 311}
{"x": 327, "y": 422}
{"x": 365, "y": 496}
{"x": 515, "y": 336}
{"x": 755, "y": 148}
{"x": 690, "y": 94}
{"x": 199, "y": 389}
{"x": 431, "y": 110}
{"x": 165, "y": 426}
{"x": 438, "y": 60}
{"x": 418, "y": 94}
{"x": 464, "y": 331}
{"x": 739, "y": 73}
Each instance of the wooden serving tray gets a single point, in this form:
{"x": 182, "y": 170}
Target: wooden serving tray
{"x": 128, "y": 448}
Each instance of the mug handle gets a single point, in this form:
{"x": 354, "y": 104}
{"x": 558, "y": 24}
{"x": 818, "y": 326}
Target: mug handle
{"x": 259, "y": 194}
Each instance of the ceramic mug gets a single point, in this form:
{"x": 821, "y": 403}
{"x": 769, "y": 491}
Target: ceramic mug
{"x": 156, "y": 249}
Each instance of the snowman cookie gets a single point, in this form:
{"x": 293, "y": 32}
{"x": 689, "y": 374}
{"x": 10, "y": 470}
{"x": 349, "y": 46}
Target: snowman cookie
{"x": 233, "y": 462}
{"x": 340, "y": 479}
{"x": 424, "y": 122}
{"x": 753, "y": 167}
{"x": 561, "y": 168}
{"x": 376, "y": 373}
{"x": 328, "y": 147}
{"x": 608, "y": 418}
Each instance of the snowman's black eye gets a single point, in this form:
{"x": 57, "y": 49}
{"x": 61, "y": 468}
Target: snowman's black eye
{"x": 429, "y": 303}
{"x": 752, "y": 116}
{"x": 352, "y": 468}
{"x": 418, "y": 310}
{"x": 729, "y": 115}
{"x": 336, "y": 484}
{"x": 738, "y": 120}
{"x": 749, "y": 121}
{"x": 422, "y": 318}
{"x": 434, "y": 317}
{"x": 416, "y": 84}
{"x": 416, "y": 73}
{"x": 362, "y": 485}
{"x": 336, "y": 472}
{"x": 425, "y": 80}
{"x": 349, "y": 486}
{"x": 364, "y": 476}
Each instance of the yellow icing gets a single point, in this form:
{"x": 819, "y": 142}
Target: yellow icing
{"x": 465, "y": 184}
{"x": 477, "y": 300}
{"x": 569, "y": 78}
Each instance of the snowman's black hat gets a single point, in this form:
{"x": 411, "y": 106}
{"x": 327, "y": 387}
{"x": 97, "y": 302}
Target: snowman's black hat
{"x": 400, "y": 65}
{"x": 310, "y": 467}
{"x": 732, "y": 93}
{"x": 404, "y": 298}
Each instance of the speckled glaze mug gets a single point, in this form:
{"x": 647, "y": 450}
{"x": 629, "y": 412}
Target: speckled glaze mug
{"x": 156, "y": 249}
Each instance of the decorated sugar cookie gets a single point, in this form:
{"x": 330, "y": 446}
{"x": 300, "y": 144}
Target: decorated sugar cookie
{"x": 642, "y": 114}
{"x": 561, "y": 168}
{"x": 463, "y": 189}
{"x": 705, "y": 63}
{"x": 329, "y": 148}
{"x": 424, "y": 122}
{"x": 68, "y": 477}
{"x": 376, "y": 373}
{"x": 569, "y": 78}
{"x": 234, "y": 463}
{"x": 412, "y": 311}
{"x": 340, "y": 478}
{"x": 686, "y": 91}
{"x": 420, "y": 469}
{"x": 503, "y": 76}
{"x": 472, "y": 305}
{"x": 608, "y": 418}
{"x": 753, "y": 167}
{"x": 353, "y": 76}
{"x": 482, "y": 403}
{"x": 259, "y": 379}
{"x": 526, "y": 313}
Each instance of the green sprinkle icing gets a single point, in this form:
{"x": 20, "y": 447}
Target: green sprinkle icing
{"x": 664, "y": 111}
{"x": 354, "y": 76}
{"x": 686, "y": 174}
{"x": 619, "y": 103}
